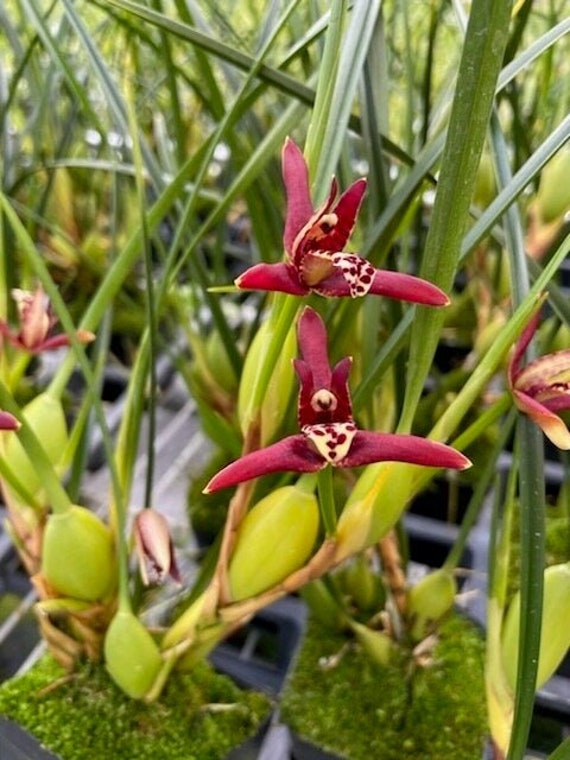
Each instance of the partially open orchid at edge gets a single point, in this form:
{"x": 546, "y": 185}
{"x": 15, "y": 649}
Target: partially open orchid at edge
{"x": 314, "y": 242}
{"x": 36, "y": 323}
{"x": 328, "y": 432}
{"x": 541, "y": 389}
{"x": 154, "y": 547}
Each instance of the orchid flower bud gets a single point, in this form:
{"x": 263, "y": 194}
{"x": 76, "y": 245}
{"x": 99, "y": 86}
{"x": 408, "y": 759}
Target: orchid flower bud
{"x": 219, "y": 365}
{"x": 376, "y": 644}
{"x": 154, "y": 547}
{"x": 354, "y": 528}
{"x": 275, "y": 538}
{"x": 131, "y": 655}
{"x": 555, "y": 630}
{"x": 280, "y": 387}
{"x": 363, "y": 585}
{"x": 429, "y": 600}
{"x": 553, "y": 196}
{"x": 323, "y": 606}
{"x": 45, "y": 416}
{"x": 78, "y": 558}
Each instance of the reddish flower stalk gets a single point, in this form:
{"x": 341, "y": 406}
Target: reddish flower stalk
{"x": 37, "y": 321}
{"x": 314, "y": 242}
{"x": 329, "y": 435}
{"x": 541, "y": 389}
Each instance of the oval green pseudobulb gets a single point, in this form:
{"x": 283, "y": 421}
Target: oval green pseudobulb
{"x": 45, "y": 416}
{"x": 131, "y": 655}
{"x": 276, "y": 400}
{"x": 275, "y": 538}
{"x": 429, "y": 599}
{"x": 78, "y": 558}
{"x": 555, "y": 630}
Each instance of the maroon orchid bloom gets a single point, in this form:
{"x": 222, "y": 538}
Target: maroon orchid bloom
{"x": 36, "y": 324}
{"x": 328, "y": 432}
{"x": 314, "y": 242}
{"x": 541, "y": 389}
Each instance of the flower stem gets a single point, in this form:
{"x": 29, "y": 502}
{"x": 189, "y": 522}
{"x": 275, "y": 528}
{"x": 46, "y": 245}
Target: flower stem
{"x": 326, "y": 500}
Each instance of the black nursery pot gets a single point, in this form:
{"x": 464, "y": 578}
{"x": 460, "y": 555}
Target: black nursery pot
{"x": 259, "y": 655}
{"x": 431, "y": 526}
{"x": 18, "y": 626}
{"x": 17, "y": 744}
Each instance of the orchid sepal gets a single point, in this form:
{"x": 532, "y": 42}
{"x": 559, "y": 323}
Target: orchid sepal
{"x": 275, "y": 278}
{"x": 8, "y": 421}
{"x": 369, "y": 448}
{"x": 541, "y": 389}
{"x": 291, "y": 454}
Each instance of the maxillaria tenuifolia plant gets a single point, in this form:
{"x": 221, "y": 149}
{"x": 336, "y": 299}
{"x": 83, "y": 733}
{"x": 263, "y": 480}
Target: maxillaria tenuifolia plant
{"x": 352, "y": 335}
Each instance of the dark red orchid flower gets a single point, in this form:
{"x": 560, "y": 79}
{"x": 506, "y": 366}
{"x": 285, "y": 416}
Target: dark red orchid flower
{"x": 314, "y": 242}
{"x": 328, "y": 432}
{"x": 36, "y": 324}
{"x": 541, "y": 389}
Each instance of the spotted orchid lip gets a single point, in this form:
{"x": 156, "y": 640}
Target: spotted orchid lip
{"x": 329, "y": 435}
{"x": 315, "y": 241}
{"x": 332, "y": 440}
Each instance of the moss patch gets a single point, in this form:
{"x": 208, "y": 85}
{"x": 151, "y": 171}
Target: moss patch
{"x": 200, "y": 716}
{"x": 557, "y": 544}
{"x": 360, "y": 710}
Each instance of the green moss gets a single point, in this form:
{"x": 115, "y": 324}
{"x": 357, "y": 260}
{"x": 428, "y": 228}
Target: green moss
{"x": 200, "y": 716}
{"x": 360, "y": 710}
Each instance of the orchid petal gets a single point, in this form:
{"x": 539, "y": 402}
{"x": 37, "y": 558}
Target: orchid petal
{"x": 33, "y": 309}
{"x": 548, "y": 371}
{"x": 368, "y": 448}
{"x": 316, "y": 228}
{"x": 296, "y": 181}
{"x": 291, "y": 454}
{"x": 346, "y": 211}
{"x": 280, "y": 278}
{"x": 315, "y": 266}
{"x": 550, "y": 424}
{"x": 330, "y": 226}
